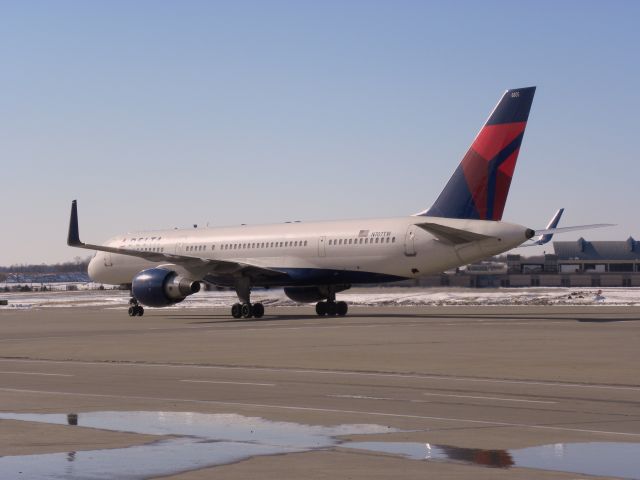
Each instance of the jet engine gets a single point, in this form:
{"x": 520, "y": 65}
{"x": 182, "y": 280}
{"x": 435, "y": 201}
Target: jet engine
{"x": 312, "y": 294}
{"x": 157, "y": 287}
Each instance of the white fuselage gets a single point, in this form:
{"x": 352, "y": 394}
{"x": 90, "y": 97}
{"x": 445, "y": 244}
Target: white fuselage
{"x": 354, "y": 251}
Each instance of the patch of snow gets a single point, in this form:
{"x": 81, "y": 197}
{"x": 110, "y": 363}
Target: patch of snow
{"x": 397, "y": 297}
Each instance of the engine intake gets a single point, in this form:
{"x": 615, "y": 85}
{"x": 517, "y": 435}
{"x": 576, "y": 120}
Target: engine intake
{"x": 157, "y": 287}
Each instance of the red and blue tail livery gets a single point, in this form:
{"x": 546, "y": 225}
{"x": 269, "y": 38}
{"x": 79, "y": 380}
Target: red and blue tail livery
{"x": 478, "y": 188}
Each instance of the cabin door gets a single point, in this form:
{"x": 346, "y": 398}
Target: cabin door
{"x": 410, "y": 241}
{"x": 322, "y": 252}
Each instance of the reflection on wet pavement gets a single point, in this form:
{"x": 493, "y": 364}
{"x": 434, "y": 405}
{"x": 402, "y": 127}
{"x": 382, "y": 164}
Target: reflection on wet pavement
{"x": 203, "y": 440}
{"x": 427, "y": 451}
{"x": 206, "y": 440}
{"x": 609, "y": 459}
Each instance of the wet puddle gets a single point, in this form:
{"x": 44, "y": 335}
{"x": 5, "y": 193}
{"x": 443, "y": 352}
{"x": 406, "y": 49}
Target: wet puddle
{"x": 206, "y": 440}
{"x": 610, "y": 459}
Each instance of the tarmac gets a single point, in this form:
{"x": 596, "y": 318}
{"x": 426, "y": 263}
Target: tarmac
{"x": 490, "y": 378}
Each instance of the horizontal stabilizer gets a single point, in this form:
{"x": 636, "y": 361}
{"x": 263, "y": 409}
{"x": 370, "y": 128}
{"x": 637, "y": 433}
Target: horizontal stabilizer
{"x": 450, "y": 235}
{"x": 551, "y": 231}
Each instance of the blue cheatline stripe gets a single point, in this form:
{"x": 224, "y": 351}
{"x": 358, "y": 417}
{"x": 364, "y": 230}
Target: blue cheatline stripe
{"x": 311, "y": 276}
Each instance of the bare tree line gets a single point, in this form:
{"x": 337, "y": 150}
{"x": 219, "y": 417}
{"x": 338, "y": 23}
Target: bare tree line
{"x": 77, "y": 265}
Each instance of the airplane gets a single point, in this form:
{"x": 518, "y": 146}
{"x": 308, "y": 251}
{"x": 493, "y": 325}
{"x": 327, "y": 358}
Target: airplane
{"x": 315, "y": 261}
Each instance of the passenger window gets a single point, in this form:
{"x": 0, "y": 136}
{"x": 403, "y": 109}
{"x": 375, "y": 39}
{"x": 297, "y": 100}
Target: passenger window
{"x": 393, "y": 240}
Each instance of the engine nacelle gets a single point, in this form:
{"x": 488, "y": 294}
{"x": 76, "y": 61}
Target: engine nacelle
{"x": 312, "y": 294}
{"x": 157, "y": 287}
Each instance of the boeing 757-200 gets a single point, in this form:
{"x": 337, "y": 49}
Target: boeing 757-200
{"x": 315, "y": 261}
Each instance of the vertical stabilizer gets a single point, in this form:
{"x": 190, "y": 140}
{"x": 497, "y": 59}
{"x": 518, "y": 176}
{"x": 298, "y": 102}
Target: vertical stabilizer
{"x": 478, "y": 188}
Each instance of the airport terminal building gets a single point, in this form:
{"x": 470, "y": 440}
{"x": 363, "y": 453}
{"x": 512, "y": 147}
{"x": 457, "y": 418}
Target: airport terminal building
{"x": 578, "y": 263}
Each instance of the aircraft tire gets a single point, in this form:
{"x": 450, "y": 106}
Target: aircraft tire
{"x": 331, "y": 308}
{"x": 246, "y": 310}
{"x": 132, "y": 311}
{"x": 321, "y": 308}
{"x": 140, "y": 310}
{"x": 236, "y": 310}
{"x": 342, "y": 308}
{"x": 258, "y": 310}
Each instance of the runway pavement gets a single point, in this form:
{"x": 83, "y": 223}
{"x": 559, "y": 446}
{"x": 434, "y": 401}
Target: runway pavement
{"x": 477, "y": 377}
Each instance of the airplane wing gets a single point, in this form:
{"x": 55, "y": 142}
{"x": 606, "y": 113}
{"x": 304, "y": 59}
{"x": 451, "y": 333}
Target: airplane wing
{"x": 210, "y": 266}
{"x": 450, "y": 235}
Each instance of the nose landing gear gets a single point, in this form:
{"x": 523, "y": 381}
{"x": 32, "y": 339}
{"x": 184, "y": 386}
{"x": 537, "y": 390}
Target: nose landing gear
{"x": 135, "y": 309}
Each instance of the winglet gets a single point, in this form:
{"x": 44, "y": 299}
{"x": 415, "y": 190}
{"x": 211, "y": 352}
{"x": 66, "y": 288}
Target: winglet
{"x": 73, "y": 239}
{"x": 552, "y": 224}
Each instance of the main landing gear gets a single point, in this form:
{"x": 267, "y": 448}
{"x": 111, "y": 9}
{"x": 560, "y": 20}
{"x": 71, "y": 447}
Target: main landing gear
{"x": 245, "y": 309}
{"x": 331, "y": 308}
{"x": 135, "y": 309}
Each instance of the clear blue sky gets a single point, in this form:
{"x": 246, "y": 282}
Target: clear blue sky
{"x": 158, "y": 114}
